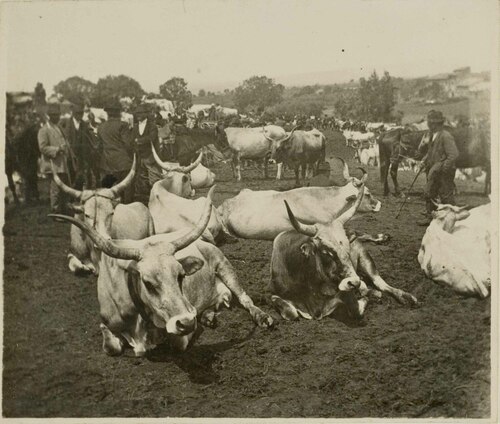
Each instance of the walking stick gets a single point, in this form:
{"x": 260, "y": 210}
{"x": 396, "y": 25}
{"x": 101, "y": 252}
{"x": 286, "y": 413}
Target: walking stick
{"x": 411, "y": 186}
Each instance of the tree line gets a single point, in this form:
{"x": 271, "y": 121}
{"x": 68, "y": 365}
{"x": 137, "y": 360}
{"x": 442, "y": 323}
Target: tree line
{"x": 372, "y": 100}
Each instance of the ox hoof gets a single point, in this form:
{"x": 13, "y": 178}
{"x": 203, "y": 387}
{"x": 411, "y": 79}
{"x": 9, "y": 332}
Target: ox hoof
{"x": 263, "y": 320}
{"x": 209, "y": 319}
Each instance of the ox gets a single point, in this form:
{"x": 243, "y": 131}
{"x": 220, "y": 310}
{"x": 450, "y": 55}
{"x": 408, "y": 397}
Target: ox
{"x": 314, "y": 269}
{"x": 195, "y": 175}
{"x": 473, "y": 150}
{"x": 101, "y": 210}
{"x": 260, "y": 214}
{"x": 456, "y": 249}
{"x": 304, "y": 149}
{"x": 253, "y": 143}
{"x": 156, "y": 289}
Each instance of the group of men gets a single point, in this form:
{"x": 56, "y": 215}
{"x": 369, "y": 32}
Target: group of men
{"x": 81, "y": 156}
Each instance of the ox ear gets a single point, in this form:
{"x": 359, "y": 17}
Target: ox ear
{"x": 307, "y": 249}
{"x": 191, "y": 264}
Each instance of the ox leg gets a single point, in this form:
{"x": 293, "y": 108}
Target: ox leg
{"x": 285, "y": 308}
{"x": 356, "y": 307}
{"x": 228, "y": 276}
{"x": 237, "y": 166}
{"x": 111, "y": 344}
{"x": 137, "y": 337}
{"x": 384, "y": 171}
{"x": 280, "y": 170}
{"x": 266, "y": 174}
{"x": 297, "y": 178}
{"x": 366, "y": 266}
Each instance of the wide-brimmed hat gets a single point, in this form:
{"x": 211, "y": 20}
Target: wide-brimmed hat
{"x": 142, "y": 108}
{"x": 53, "y": 109}
{"x": 435, "y": 116}
{"x": 112, "y": 106}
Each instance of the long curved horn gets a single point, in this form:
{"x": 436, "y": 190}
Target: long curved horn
{"x": 308, "y": 230}
{"x": 176, "y": 168}
{"x": 345, "y": 169}
{"x": 77, "y": 194}
{"x": 265, "y": 135}
{"x": 191, "y": 236}
{"x": 349, "y": 213}
{"x": 289, "y": 135}
{"x": 107, "y": 246}
{"x": 363, "y": 178}
{"x": 122, "y": 185}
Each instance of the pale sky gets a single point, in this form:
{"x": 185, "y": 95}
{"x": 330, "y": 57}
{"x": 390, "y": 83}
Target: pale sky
{"x": 218, "y": 44}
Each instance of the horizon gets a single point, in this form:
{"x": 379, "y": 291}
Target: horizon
{"x": 218, "y": 44}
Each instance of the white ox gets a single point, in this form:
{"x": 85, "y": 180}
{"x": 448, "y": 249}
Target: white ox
{"x": 157, "y": 289}
{"x": 101, "y": 209}
{"x": 199, "y": 175}
{"x": 260, "y": 214}
{"x": 456, "y": 249}
{"x": 253, "y": 143}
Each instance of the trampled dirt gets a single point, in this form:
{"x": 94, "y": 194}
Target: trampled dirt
{"x": 428, "y": 361}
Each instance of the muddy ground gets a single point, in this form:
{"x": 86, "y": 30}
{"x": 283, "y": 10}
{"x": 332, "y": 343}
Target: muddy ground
{"x": 428, "y": 361}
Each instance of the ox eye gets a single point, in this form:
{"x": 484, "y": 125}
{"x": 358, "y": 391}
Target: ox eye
{"x": 149, "y": 287}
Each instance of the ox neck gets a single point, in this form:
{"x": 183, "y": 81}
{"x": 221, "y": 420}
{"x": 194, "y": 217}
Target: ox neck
{"x": 136, "y": 299}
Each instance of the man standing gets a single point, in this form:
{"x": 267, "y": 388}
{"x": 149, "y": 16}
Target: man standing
{"x": 113, "y": 137}
{"x": 55, "y": 148}
{"x": 144, "y": 135}
{"x": 438, "y": 163}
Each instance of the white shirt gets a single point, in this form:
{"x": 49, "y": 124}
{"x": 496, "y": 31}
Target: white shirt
{"x": 77, "y": 124}
{"x": 142, "y": 126}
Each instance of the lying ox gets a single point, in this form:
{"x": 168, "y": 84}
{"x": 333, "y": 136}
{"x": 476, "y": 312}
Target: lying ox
{"x": 456, "y": 249}
{"x": 303, "y": 149}
{"x": 171, "y": 212}
{"x": 178, "y": 179}
{"x": 260, "y": 214}
{"x": 253, "y": 143}
{"x": 101, "y": 209}
{"x": 197, "y": 175}
{"x": 156, "y": 289}
{"x": 314, "y": 269}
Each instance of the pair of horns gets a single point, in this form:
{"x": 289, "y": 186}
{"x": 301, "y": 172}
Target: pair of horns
{"x": 176, "y": 168}
{"x": 77, "y": 194}
{"x": 287, "y": 137}
{"x": 347, "y": 176}
{"x": 118, "y": 251}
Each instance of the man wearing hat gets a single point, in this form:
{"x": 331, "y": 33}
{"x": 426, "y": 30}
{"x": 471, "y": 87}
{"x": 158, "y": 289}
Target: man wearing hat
{"x": 114, "y": 140}
{"x": 144, "y": 135}
{"x": 438, "y": 163}
{"x": 54, "y": 147}
{"x": 81, "y": 140}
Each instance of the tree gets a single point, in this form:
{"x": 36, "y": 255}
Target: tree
{"x": 258, "y": 92}
{"x": 175, "y": 90}
{"x": 113, "y": 87}
{"x": 202, "y": 93}
{"x": 376, "y": 98}
{"x": 76, "y": 89}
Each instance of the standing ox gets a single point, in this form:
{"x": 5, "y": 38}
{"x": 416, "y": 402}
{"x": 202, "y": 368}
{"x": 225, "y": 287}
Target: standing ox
{"x": 254, "y": 143}
{"x": 456, "y": 249}
{"x": 314, "y": 269}
{"x": 156, "y": 289}
{"x": 304, "y": 149}
{"x": 101, "y": 210}
{"x": 473, "y": 146}
{"x": 260, "y": 214}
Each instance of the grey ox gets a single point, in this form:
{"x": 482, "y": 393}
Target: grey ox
{"x": 314, "y": 270}
{"x": 155, "y": 290}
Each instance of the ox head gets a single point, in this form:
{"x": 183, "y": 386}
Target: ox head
{"x": 280, "y": 147}
{"x": 447, "y": 215}
{"x": 329, "y": 246}
{"x": 158, "y": 275}
{"x": 97, "y": 206}
{"x": 369, "y": 203}
{"x": 176, "y": 178}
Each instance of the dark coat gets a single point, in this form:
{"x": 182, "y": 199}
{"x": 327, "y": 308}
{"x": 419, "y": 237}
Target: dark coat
{"x": 116, "y": 144}
{"x": 442, "y": 153}
{"x": 142, "y": 143}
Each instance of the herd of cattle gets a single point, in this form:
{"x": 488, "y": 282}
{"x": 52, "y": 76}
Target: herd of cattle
{"x": 161, "y": 276}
